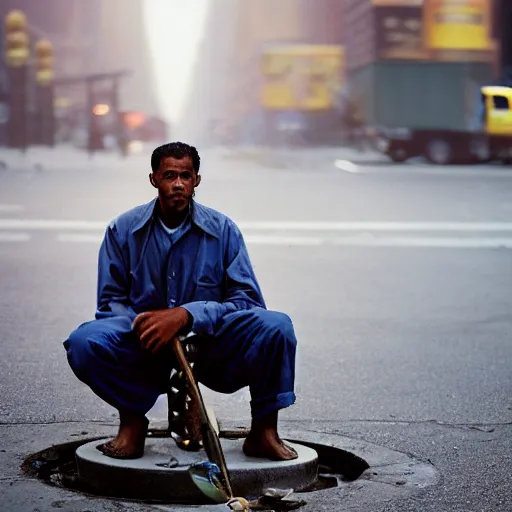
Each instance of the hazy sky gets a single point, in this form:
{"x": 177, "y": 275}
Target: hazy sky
{"x": 175, "y": 28}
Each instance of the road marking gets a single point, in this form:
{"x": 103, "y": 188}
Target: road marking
{"x": 14, "y": 237}
{"x": 347, "y": 166}
{"x": 50, "y": 225}
{"x": 389, "y": 242}
{"x": 80, "y": 238}
{"x": 410, "y": 227}
{"x": 11, "y": 208}
{"x": 316, "y": 226}
{"x": 356, "y": 241}
{"x": 284, "y": 240}
{"x": 428, "y": 242}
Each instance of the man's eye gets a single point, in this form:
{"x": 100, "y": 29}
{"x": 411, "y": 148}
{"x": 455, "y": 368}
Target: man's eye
{"x": 174, "y": 176}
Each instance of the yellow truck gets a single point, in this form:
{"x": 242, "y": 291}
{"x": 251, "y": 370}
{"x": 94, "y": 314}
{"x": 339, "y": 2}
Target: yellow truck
{"x": 492, "y": 141}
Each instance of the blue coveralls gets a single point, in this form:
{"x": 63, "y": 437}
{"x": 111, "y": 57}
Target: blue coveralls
{"x": 205, "y": 268}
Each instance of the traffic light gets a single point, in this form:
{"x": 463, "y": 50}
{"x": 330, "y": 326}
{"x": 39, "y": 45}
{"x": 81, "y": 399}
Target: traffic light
{"x": 17, "y": 41}
{"x": 44, "y": 63}
{"x": 45, "y": 92}
{"x": 17, "y": 54}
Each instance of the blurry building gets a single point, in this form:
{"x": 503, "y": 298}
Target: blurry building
{"x": 420, "y": 63}
{"x": 123, "y": 36}
{"x": 258, "y": 23}
{"x": 502, "y": 32}
{"x": 322, "y": 21}
{"x": 207, "y": 99}
{"x": 93, "y": 36}
{"x": 225, "y": 100}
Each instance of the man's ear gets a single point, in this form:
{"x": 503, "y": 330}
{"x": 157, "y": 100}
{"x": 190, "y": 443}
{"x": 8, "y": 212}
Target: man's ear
{"x": 152, "y": 180}
{"x": 198, "y": 180}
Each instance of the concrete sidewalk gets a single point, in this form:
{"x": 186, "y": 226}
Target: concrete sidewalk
{"x": 67, "y": 158}
{"x": 300, "y": 157}
{"x": 64, "y": 158}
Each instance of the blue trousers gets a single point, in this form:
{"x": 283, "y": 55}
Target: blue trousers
{"x": 254, "y": 348}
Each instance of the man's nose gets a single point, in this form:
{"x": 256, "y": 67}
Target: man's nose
{"x": 178, "y": 183}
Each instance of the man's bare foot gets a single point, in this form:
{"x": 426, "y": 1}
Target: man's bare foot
{"x": 268, "y": 446}
{"x": 264, "y": 442}
{"x": 129, "y": 442}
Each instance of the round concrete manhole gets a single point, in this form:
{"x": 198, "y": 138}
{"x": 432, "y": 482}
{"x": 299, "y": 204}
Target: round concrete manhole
{"x": 161, "y": 475}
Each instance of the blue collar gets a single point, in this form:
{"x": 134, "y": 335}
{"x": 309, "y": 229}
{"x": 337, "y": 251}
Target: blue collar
{"x": 201, "y": 217}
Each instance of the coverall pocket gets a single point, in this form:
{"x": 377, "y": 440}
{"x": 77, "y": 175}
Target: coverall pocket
{"x": 208, "y": 291}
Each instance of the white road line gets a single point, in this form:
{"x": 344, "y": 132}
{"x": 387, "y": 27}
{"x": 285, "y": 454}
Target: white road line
{"x": 347, "y": 166}
{"x": 386, "y": 242}
{"x": 50, "y": 225}
{"x": 14, "y": 237}
{"x": 308, "y": 241}
{"x": 284, "y": 240}
{"x": 432, "y": 242}
{"x": 80, "y": 238}
{"x": 315, "y": 226}
{"x": 11, "y": 208}
{"x": 379, "y": 226}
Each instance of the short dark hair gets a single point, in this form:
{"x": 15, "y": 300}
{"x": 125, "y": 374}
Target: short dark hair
{"x": 176, "y": 150}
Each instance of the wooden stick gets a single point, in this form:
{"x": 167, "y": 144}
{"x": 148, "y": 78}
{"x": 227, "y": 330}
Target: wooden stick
{"x": 211, "y": 440}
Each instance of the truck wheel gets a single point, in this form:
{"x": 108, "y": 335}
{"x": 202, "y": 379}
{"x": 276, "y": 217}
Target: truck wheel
{"x": 398, "y": 155}
{"x": 439, "y": 152}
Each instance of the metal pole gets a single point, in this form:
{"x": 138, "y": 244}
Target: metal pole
{"x": 45, "y": 77}
{"x": 118, "y": 125}
{"x": 90, "y": 117}
{"x": 46, "y": 115}
{"x": 17, "y": 125}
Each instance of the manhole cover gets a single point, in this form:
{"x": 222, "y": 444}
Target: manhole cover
{"x": 152, "y": 477}
{"x": 156, "y": 477}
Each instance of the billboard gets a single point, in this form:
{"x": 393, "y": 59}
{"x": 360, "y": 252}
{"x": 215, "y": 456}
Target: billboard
{"x": 458, "y": 24}
{"x": 302, "y": 77}
{"x": 399, "y": 30}
{"x": 435, "y": 30}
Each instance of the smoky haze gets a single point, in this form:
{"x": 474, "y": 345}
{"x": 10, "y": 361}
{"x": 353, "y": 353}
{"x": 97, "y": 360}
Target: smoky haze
{"x": 363, "y": 148}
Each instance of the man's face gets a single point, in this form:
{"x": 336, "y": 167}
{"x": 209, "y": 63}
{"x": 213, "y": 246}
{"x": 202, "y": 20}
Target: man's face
{"x": 175, "y": 181}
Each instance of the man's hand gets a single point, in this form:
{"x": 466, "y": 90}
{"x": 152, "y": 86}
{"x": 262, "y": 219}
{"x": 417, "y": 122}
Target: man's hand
{"x": 157, "y": 328}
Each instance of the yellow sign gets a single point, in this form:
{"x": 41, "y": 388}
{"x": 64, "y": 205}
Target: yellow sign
{"x": 302, "y": 77}
{"x": 458, "y": 24}
{"x": 398, "y": 3}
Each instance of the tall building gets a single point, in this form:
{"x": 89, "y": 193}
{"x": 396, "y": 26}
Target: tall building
{"x": 322, "y": 21}
{"x": 225, "y": 97}
{"x": 94, "y": 36}
{"x": 258, "y": 23}
{"x": 439, "y": 51}
{"x": 207, "y": 99}
{"x": 124, "y": 37}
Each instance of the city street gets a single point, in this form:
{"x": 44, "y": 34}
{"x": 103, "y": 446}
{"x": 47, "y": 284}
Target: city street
{"x": 398, "y": 279}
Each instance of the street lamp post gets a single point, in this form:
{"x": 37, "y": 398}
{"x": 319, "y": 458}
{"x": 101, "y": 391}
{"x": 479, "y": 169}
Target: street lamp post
{"x": 45, "y": 92}
{"x": 17, "y": 54}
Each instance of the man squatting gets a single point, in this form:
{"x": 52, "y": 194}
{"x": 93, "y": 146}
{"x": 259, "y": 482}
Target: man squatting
{"x": 168, "y": 268}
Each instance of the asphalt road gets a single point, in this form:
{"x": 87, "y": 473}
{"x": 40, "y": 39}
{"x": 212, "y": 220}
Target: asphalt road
{"x": 403, "y": 319}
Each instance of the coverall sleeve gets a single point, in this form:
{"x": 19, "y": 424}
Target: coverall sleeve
{"x": 113, "y": 278}
{"x": 242, "y": 290}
